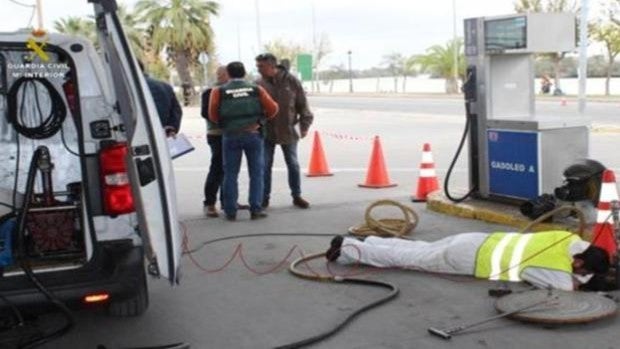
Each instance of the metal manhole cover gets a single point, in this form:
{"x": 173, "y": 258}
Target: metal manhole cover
{"x": 562, "y": 307}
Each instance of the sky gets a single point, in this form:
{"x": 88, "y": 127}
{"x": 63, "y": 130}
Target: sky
{"x": 370, "y": 29}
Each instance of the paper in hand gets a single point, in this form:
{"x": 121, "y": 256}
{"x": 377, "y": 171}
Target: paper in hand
{"x": 179, "y": 145}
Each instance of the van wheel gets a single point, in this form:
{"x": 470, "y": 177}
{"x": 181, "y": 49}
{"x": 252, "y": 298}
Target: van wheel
{"x": 133, "y": 306}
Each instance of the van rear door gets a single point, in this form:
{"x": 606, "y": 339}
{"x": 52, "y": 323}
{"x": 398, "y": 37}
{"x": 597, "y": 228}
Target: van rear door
{"x": 148, "y": 160}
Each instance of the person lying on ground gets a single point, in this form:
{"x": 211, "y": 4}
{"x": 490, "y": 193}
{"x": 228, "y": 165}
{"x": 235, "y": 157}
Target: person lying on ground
{"x": 551, "y": 259}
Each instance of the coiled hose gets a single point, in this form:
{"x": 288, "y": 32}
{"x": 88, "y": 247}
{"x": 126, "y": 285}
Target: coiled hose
{"x": 381, "y": 227}
{"x": 386, "y": 227}
{"x": 48, "y": 126}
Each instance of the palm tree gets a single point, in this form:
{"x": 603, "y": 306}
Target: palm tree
{"x": 439, "y": 61}
{"x": 183, "y": 29}
{"x": 76, "y": 26}
{"x": 133, "y": 30}
{"x": 522, "y": 6}
{"x": 86, "y": 27}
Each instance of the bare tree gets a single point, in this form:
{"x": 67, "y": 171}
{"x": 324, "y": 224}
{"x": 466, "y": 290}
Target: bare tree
{"x": 410, "y": 68}
{"x": 285, "y": 50}
{"x": 608, "y": 34}
{"x": 394, "y": 62}
{"x": 522, "y": 6}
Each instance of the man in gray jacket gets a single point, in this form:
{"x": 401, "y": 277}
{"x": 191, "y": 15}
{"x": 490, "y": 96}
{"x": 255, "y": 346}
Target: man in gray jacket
{"x": 288, "y": 92}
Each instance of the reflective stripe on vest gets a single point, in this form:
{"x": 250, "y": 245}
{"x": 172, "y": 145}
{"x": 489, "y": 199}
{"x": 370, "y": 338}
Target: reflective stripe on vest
{"x": 503, "y": 256}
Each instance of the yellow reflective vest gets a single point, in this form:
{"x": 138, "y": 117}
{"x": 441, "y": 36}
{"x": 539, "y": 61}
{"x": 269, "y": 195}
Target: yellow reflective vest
{"x": 503, "y": 256}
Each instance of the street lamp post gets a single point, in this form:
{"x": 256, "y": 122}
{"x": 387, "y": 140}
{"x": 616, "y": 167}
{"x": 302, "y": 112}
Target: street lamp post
{"x": 350, "y": 73}
{"x": 258, "y": 34}
{"x": 583, "y": 55}
{"x": 203, "y": 58}
{"x": 455, "y": 68}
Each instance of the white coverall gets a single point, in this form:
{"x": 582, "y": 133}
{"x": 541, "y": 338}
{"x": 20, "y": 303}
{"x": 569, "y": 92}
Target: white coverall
{"x": 454, "y": 254}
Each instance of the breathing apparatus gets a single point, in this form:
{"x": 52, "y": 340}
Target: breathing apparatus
{"x": 582, "y": 183}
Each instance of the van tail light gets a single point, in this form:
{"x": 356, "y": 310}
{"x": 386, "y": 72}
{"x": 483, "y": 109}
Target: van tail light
{"x": 70, "y": 95}
{"x": 96, "y": 298}
{"x": 117, "y": 195}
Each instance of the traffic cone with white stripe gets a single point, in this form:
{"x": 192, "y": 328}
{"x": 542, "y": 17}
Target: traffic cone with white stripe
{"x": 603, "y": 231}
{"x": 427, "y": 182}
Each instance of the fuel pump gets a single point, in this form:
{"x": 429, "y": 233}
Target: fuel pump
{"x": 515, "y": 154}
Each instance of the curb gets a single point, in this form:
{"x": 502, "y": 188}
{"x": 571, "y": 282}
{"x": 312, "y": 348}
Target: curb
{"x": 486, "y": 211}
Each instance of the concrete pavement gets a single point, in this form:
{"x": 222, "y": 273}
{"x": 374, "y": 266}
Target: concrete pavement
{"x": 236, "y": 307}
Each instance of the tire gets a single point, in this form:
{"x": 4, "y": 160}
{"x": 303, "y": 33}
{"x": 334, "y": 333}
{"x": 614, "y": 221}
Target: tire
{"x": 134, "y": 306}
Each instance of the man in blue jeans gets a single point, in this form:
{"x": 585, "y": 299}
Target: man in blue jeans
{"x": 288, "y": 92}
{"x": 239, "y": 107}
{"x": 214, "y": 139}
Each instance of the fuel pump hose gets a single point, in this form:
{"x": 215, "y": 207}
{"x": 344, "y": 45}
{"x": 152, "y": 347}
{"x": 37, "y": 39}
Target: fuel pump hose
{"x": 446, "y": 182}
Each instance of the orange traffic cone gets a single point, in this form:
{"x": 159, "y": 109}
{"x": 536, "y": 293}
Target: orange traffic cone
{"x": 377, "y": 176}
{"x": 318, "y": 164}
{"x": 427, "y": 182}
{"x": 603, "y": 231}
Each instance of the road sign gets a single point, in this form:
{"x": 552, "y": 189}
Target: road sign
{"x": 203, "y": 58}
{"x": 304, "y": 66}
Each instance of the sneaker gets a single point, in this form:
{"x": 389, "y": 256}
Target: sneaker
{"x": 258, "y": 215}
{"x": 211, "y": 211}
{"x": 300, "y": 202}
{"x": 334, "y": 250}
{"x": 265, "y": 203}
{"x": 231, "y": 217}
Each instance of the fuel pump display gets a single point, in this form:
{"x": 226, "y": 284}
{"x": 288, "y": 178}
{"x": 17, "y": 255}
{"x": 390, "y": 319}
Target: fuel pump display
{"x": 515, "y": 154}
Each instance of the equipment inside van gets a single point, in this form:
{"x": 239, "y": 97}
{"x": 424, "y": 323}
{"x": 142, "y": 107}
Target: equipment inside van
{"x": 87, "y": 200}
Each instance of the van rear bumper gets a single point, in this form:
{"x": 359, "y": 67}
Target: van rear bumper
{"x": 117, "y": 268}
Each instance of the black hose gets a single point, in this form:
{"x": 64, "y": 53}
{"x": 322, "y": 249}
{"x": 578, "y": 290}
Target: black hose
{"x": 305, "y": 342}
{"x": 18, "y": 315}
{"x": 455, "y": 158}
{"x": 374, "y": 283}
{"x": 47, "y": 127}
{"x": 166, "y": 346}
{"x": 16, "y": 181}
{"x": 24, "y": 261}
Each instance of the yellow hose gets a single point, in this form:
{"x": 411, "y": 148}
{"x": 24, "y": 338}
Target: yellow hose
{"x": 580, "y": 215}
{"x": 386, "y": 227}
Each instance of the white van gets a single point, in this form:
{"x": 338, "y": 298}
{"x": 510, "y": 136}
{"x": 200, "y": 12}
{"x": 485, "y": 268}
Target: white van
{"x": 108, "y": 204}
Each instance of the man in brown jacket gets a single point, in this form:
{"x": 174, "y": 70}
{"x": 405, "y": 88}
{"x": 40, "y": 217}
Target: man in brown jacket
{"x": 288, "y": 92}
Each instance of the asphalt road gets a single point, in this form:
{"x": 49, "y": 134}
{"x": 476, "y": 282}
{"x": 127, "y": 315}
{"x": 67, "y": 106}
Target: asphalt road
{"x": 599, "y": 112}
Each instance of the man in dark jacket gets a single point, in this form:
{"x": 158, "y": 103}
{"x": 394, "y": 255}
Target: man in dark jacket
{"x": 288, "y": 92}
{"x": 168, "y": 107}
{"x": 214, "y": 139}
